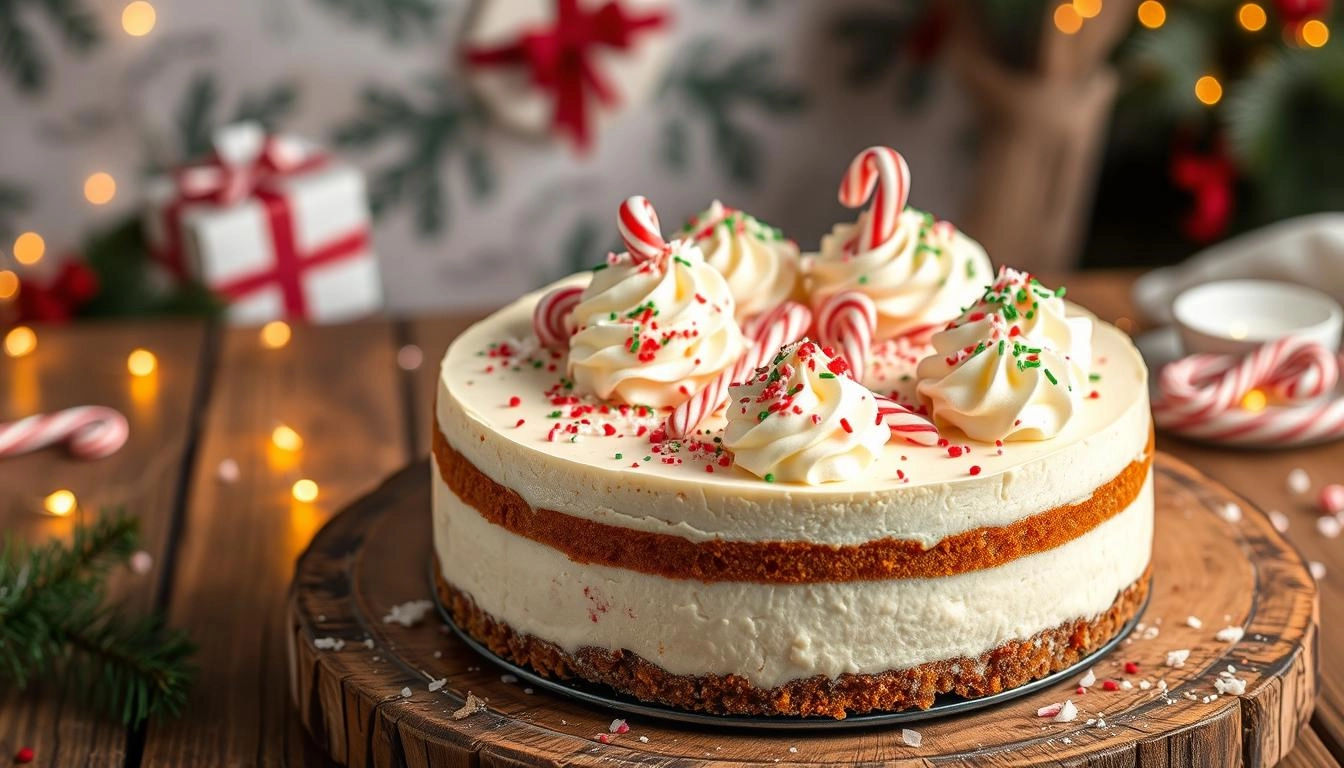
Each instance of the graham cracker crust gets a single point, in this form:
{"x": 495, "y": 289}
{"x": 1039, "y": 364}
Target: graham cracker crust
{"x": 1008, "y": 666}
{"x": 783, "y": 562}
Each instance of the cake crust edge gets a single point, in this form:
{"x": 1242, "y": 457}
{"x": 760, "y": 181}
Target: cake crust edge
{"x": 1010, "y": 665}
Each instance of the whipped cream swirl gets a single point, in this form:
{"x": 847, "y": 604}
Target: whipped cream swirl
{"x": 655, "y": 332}
{"x": 919, "y": 279}
{"x": 762, "y": 267}
{"x": 1013, "y": 366}
{"x": 801, "y": 420}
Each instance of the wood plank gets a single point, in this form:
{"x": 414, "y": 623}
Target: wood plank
{"x": 339, "y": 388}
{"x": 86, "y": 365}
{"x": 1310, "y": 752}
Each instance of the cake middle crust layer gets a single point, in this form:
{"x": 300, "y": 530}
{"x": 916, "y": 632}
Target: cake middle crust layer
{"x": 771, "y": 634}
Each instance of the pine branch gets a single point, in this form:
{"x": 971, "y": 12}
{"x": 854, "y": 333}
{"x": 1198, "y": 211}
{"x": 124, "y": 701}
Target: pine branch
{"x": 53, "y": 622}
{"x": 195, "y": 115}
{"x": 14, "y": 199}
{"x": 872, "y": 36}
{"x": 396, "y": 19}
{"x": 19, "y": 56}
{"x": 269, "y": 107}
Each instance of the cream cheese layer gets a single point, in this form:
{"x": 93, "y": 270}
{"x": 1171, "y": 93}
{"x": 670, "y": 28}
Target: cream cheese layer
{"x": 772, "y": 633}
{"x": 504, "y": 406}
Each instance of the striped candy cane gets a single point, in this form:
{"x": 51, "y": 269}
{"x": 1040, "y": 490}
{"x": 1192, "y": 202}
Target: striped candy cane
{"x": 848, "y": 321}
{"x": 88, "y": 431}
{"x": 1200, "y": 396}
{"x": 905, "y": 423}
{"x": 879, "y": 173}
{"x": 638, "y": 224}
{"x": 768, "y": 332}
{"x": 551, "y": 315}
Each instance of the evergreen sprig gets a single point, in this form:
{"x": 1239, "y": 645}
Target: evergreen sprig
{"x": 397, "y": 19}
{"x": 54, "y": 621}
{"x": 75, "y": 25}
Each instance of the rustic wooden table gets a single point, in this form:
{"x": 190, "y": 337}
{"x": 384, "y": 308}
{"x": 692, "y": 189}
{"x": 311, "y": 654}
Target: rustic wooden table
{"x": 224, "y": 552}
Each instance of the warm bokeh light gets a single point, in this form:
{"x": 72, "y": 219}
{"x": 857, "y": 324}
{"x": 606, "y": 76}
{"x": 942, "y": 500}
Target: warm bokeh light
{"x": 1254, "y": 401}
{"x": 20, "y": 341}
{"x": 1208, "y": 90}
{"x": 1152, "y": 14}
{"x": 60, "y": 503}
{"x": 141, "y": 362}
{"x": 275, "y": 334}
{"x": 304, "y": 490}
{"x": 1067, "y": 19}
{"x": 1087, "y": 8}
{"x": 1252, "y": 17}
{"x": 286, "y": 439}
{"x": 138, "y": 18}
{"x": 29, "y": 247}
{"x": 100, "y": 188}
{"x": 9, "y": 284}
{"x": 1314, "y": 33}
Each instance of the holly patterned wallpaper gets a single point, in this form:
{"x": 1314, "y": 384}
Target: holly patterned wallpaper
{"x": 761, "y": 104}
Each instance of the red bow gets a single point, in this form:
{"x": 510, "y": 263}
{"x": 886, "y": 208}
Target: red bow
{"x": 226, "y": 181}
{"x": 558, "y": 58}
{"x": 1210, "y": 179}
{"x": 58, "y": 301}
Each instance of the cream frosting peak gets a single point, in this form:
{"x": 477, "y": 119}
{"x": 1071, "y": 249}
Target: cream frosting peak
{"x": 1011, "y": 367}
{"x": 919, "y": 279}
{"x": 653, "y": 332}
{"x": 761, "y": 266}
{"x": 801, "y": 420}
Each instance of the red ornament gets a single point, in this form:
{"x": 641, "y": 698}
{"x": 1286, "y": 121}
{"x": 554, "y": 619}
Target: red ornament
{"x": 1294, "y": 12}
{"x": 559, "y": 58}
{"x": 59, "y": 300}
{"x": 1209, "y": 178}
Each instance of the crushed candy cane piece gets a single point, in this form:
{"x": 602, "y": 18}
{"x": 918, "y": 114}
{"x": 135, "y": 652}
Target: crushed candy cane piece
{"x": 1299, "y": 481}
{"x": 1131, "y": 667}
{"x": 1067, "y": 713}
{"x": 1088, "y": 679}
{"x": 1230, "y": 685}
{"x": 1193, "y": 622}
{"x": 1178, "y": 657}
{"x": 1049, "y": 710}
{"x": 1332, "y": 499}
{"x": 406, "y": 692}
{"x": 1328, "y": 526}
{"x": 1110, "y": 685}
{"x": 1144, "y": 685}
{"x": 227, "y": 471}
{"x": 409, "y": 613}
{"x": 1317, "y": 569}
{"x": 1229, "y": 634}
{"x": 643, "y": 739}
{"x": 912, "y": 738}
{"x": 1278, "y": 520}
{"x": 605, "y": 738}
{"x": 618, "y": 726}
{"x": 435, "y": 685}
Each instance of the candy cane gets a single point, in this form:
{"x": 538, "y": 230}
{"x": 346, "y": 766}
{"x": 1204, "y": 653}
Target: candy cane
{"x": 88, "y": 431}
{"x": 638, "y": 224}
{"x": 1201, "y": 395}
{"x": 905, "y": 423}
{"x": 551, "y": 315}
{"x": 880, "y": 173}
{"x": 782, "y": 325}
{"x": 848, "y": 321}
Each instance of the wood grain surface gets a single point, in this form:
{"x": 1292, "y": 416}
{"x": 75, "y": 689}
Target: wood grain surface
{"x": 369, "y": 700}
{"x": 243, "y": 550}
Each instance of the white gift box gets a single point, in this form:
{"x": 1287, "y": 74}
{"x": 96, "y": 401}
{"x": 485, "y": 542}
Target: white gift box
{"x": 288, "y": 240}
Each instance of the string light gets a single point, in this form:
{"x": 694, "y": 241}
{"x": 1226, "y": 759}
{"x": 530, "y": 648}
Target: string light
{"x": 1314, "y": 33}
{"x": 100, "y": 188}
{"x": 141, "y": 362}
{"x": 9, "y": 284}
{"x": 1252, "y": 17}
{"x": 304, "y": 490}
{"x": 1208, "y": 90}
{"x": 1087, "y": 8}
{"x": 286, "y": 439}
{"x": 28, "y": 248}
{"x": 20, "y": 341}
{"x": 138, "y": 18}
{"x": 1152, "y": 14}
{"x": 275, "y": 334}
{"x": 60, "y": 503}
{"x": 1254, "y": 401}
{"x": 1067, "y": 19}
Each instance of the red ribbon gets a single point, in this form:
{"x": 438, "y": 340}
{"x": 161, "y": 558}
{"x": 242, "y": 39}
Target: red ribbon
{"x": 1210, "y": 179}
{"x": 559, "y": 58}
{"x": 59, "y": 300}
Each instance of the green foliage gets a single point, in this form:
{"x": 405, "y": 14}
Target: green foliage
{"x": 197, "y": 116}
{"x": 75, "y": 25}
{"x": 14, "y": 199}
{"x": 716, "y": 95}
{"x": 428, "y": 129}
{"x": 53, "y": 622}
{"x": 870, "y": 35}
{"x": 397, "y": 19}
{"x": 120, "y": 257}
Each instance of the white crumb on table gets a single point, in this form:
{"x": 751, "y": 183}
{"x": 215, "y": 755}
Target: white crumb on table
{"x": 409, "y": 613}
{"x": 510, "y": 679}
{"x": 1177, "y": 657}
{"x": 912, "y": 738}
{"x": 1193, "y": 622}
{"x": 1229, "y": 634}
{"x": 1278, "y": 520}
{"x": 1231, "y": 512}
{"x": 328, "y": 643}
{"x": 435, "y": 685}
{"x": 1299, "y": 481}
{"x": 1067, "y": 713}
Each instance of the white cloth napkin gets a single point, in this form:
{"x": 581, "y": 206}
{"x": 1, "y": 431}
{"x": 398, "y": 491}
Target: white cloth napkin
{"x": 1308, "y": 250}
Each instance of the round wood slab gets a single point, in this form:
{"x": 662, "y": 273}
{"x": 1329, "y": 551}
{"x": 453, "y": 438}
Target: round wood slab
{"x": 1206, "y": 564}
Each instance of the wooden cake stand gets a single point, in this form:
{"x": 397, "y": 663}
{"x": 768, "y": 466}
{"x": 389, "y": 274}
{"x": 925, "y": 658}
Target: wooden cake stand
{"x": 1206, "y": 564}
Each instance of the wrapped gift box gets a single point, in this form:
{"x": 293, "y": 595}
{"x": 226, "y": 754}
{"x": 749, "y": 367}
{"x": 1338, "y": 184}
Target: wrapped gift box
{"x": 275, "y": 227}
